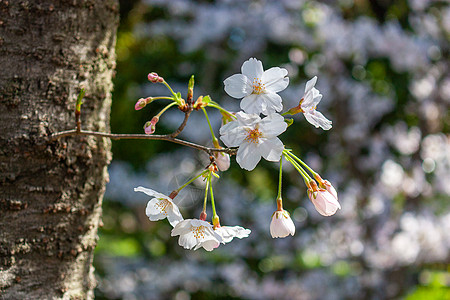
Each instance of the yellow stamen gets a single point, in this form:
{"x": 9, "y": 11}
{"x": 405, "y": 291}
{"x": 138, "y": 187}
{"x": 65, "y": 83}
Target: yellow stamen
{"x": 258, "y": 86}
{"x": 162, "y": 205}
{"x": 253, "y": 136}
{"x": 198, "y": 231}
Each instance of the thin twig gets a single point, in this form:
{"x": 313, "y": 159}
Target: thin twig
{"x": 115, "y": 136}
{"x": 180, "y": 129}
{"x": 166, "y": 137}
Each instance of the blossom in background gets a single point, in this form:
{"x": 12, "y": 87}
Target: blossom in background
{"x": 196, "y": 234}
{"x": 255, "y": 137}
{"x": 257, "y": 87}
{"x": 281, "y": 225}
{"x": 309, "y": 103}
{"x": 160, "y": 207}
{"x": 229, "y": 232}
{"x": 325, "y": 201}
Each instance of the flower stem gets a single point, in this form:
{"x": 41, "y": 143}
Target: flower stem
{"x": 163, "y": 97}
{"x": 190, "y": 181}
{"x": 212, "y": 196}
{"x": 280, "y": 178}
{"x": 206, "y": 192}
{"x": 302, "y": 172}
{"x": 300, "y": 161}
{"x": 217, "y": 106}
{"x": 170, "y": 89}
{"x": 209, "y": 124}
{"x": 166, "y": 108}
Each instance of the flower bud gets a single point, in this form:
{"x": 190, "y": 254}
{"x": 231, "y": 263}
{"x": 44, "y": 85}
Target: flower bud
{"x": 150, "y": 126}
{"x": 324, "y": 201}
{"x": 141, "y": 103}
{"x": 325, "y": 184}
{"x": 222, "y": 161}
{"x": 153, "y": 77}
{"x": 281, "y": 225}
{"x": 203, "y": 216}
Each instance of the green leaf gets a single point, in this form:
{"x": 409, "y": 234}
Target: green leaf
{"x": 79, "y": 98}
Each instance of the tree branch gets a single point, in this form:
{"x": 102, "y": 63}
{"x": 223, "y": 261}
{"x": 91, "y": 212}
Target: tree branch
{"x": 166, "y": 137}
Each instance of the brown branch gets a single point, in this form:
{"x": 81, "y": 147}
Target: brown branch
{"x": 166, "y": 137}
{"x": 187, "y": 109}
{"x": 180, "y": 129}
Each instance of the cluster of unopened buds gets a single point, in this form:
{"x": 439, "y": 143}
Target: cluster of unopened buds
{"x": 250, "y": 134}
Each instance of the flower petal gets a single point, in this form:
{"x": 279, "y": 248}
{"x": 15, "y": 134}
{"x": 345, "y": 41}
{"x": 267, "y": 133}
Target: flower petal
{"x": 273, "y": 103}
{"x": 247, "y": 119}
{"x": 318, "y": 120}
{"x": 153, "y": 210}
{"x": 310, "y": 84}
{"x": 253, "y": 104}
{"x": 181, "y": 228}
{"x": 208, "y": 245}
{"x": 271, "y": 149}
{"x": 311, "y": 99}
{"x": 174, "y": 215}
{"x": 232, "y": 134}
{"x": 252, "y": 68}
{"x": 272, "y": 125}
{"x": 238, "y": 86}
{"x": 149, "y": 192}
{"x": 187, "y": 241}
{"x": 248, "y": 156}
{"x": 275, "y": 80}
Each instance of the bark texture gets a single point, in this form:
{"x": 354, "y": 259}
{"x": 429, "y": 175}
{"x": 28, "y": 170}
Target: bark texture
{"x": 51, "y": 192}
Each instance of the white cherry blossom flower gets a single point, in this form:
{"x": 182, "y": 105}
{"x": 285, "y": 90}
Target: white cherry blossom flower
{"x": 309, "y": 103}
{"x": 229, "y": 232}
{"x": 281, "y": 225}
{"x": 257, "y": 87}
{"x": 255, "y": 137}
{"x": 160, "y": 207}
{"x": 196, "y": 234}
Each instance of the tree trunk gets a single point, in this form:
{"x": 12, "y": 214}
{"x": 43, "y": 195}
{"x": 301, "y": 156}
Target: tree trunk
{"x": 51, "y": 191}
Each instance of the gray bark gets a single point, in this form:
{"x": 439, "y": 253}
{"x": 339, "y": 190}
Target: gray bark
{"x": 51, "y": 191}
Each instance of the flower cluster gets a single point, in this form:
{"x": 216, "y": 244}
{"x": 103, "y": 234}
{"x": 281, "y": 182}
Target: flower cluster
{"x": 249, "y": 134}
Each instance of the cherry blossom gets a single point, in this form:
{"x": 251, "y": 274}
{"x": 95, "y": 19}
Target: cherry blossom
{"x": 160, "y": 207}
{"x": 255, "y": 137}
{"x": 281, "y": 225}
{"x": 257, "y": 87}
{"x": 309, "y": 103}
{"x": 196, "y": 234}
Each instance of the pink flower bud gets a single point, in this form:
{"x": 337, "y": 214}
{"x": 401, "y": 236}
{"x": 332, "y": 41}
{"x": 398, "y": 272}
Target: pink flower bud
{"x": 153, "y": 77}
{"x": 150, "y": 126}
{"x": 222, "y": 161}
{"x": 203, "y": 216}
{"x": 324, "y": 202}
{"x": 281, "y": 225}
{"x": 141, "y": 103}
